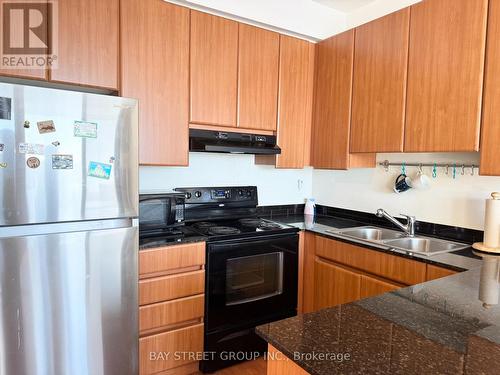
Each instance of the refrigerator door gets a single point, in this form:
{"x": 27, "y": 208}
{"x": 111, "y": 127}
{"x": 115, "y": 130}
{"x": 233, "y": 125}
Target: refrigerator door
{"x": 68, "y": 303}
{"x": 66, "y": 156}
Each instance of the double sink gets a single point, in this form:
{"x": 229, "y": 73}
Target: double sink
{"x": 400, "y": 241}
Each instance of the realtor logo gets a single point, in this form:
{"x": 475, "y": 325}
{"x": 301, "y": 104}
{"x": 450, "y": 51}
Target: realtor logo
{"x": 29, "y": 34}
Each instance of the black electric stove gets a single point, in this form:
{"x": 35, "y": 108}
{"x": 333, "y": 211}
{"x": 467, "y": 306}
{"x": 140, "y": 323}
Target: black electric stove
{"x": 251, "y": 270}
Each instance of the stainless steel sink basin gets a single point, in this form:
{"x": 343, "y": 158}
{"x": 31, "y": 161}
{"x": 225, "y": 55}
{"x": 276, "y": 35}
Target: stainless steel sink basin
{"x": 427, "y": 246}
{"x": 372, "y": 234}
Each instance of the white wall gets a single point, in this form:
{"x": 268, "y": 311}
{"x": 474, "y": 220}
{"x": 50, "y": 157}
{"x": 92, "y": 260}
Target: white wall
{"x": 457, "y": 202}
{"x": 276, "y": 186}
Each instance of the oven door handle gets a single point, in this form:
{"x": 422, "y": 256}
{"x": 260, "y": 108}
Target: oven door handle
{"x": 254, "y": 299}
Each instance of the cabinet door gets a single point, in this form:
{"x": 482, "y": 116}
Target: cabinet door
{"x": 379, "y": 87}
{"x": 372, "y": 287}
{"x": 258, "y": 52}
{"x": 435, "y": 272}
{"x": 38, "y": 73}
{"x": 490, "y": 131}
{"x": 155, "y": 70}
{"x": 214, "y": 65}
{"x": 88, "y": 40}
{"x": 334, "y": 285}
{"x": 332, "y": 105}
{"x": 295, "y": 101}
{"x": 445, "y": 75}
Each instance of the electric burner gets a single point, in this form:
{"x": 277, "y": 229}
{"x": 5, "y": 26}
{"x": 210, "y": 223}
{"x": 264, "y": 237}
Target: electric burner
{"x": 266, "y": 225}
{"x": 202, "y": 225}
{"x": 250, "y": 222}
{"x": 222, "y": 231}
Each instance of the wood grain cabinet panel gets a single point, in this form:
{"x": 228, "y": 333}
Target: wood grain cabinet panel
{"x": 295, "y": 101}
{"x": 170, "y": 287}
{"x": 184, "y": 340}
{"x": 88, "y": 40}
{"x": 379, "y": 86}
{"x": 214, "y": 70}
{"x": 332, "y": 104}
{"x": 334, "y": 285}
{"x": 371, "y": 287}
{"x": 435, "y": 272}
{"x": 445, "y": 75}
{"x": 279, "y": 364}
{"x": 258, "y": 52}
{"x": 392, "y": 267}
{"x": 155, "y": 70}
{"x": 155, "y": 261}
{"x": 164, "y": 315}
{"x": 38, "y": 73}
{"x": 490, "y": 130}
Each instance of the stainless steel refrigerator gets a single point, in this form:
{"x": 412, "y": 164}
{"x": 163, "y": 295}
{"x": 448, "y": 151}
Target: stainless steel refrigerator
{"x": 68, "y": 233}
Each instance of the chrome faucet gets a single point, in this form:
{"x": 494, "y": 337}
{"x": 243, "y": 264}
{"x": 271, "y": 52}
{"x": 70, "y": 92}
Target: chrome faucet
{"x": 409, "y": 228}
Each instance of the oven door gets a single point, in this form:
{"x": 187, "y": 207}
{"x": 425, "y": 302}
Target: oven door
{"x": 251, "y": 281}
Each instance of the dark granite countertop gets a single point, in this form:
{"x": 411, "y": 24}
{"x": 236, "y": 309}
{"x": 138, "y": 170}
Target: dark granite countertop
{"x": 186, "y": 235}
{"x": 437, "y": 327}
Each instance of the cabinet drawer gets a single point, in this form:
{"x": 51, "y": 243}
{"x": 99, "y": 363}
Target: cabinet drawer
{"x": 170, "y": 287}
{"x": 161, "y": 260}
{"x": 388, "y": 266}
{"x": 164, "y": 315}
{"x": 171, "y": 345}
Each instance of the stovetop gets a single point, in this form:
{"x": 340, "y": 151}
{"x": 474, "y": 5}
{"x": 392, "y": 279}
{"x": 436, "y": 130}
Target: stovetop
{"x": 239, "y": 228}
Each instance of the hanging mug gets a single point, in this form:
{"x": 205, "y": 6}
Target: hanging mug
{"x": 402, "y": 184}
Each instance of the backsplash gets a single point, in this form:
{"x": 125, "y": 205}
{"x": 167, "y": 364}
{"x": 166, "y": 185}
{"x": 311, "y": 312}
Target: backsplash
{"x": 456, "y": 202}
{"x": 276, "y": 186}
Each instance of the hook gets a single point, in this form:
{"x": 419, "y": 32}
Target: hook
{"x": 386, "y": 165}
{"x": 447, "y": 169}
{"x": 472, "y": 169}
{"x": 463, "y": 169}
{"x": 420, "y": 169}
{"x": 434, "y": 171}
{"x": 454, "y": 170}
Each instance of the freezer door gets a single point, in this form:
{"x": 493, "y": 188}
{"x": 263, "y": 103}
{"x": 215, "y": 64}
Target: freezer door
{"x": 66, "y": 156}
{"x": 69, "y": 303}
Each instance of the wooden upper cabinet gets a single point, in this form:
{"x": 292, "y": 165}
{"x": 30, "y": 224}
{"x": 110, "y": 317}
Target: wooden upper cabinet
{"x": 332, "y": 104}
{"x": 214, "y": 70}
{"x": 38, "y": 73}
{"x": 445, "y": 75}
{"x": 258, "y": 60}
{"x": 155, "y": 70}
{"x": 295, "y": 101}
{"x": 88, "y": 40}
{"x": 379, "y": 87}
{"x": 490, "y": 131}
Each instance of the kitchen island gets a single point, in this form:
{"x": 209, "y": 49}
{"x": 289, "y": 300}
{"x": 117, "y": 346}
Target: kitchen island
{"x": 437, "y": 327}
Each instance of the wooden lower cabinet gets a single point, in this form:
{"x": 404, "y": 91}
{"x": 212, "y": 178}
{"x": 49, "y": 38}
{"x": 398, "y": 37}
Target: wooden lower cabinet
{"x": 279, "y": 364}
{"x": 336, "y": 272}
{"x": 435, "y": 272}
{"x": 171, "y": 309}
{"x": 373, "y": 287}
{"x": 334, "y": 285}
{"x": 170, "y": 349}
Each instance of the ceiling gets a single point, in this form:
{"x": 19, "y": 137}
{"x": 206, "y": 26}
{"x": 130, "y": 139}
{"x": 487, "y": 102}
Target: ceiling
{"x": 309, "y": 19}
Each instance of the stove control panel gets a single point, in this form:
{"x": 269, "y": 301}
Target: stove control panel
{"x": 247, "y": 194}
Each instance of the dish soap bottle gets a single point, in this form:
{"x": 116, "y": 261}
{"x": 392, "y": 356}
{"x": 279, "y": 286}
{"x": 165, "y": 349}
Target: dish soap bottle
{"x": 310, "y": 207}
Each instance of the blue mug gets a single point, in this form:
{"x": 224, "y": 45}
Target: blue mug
{"x": 402, "y": 184}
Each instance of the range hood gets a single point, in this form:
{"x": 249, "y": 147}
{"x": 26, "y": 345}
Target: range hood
{"x": 230, "y": 142}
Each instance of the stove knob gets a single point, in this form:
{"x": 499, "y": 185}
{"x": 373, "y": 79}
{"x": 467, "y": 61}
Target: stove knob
{"x": 197, "y": 194}
{"x": 187, "y": 195}
{"x": 249, "y": 193}
{"x": 240, "y": 193}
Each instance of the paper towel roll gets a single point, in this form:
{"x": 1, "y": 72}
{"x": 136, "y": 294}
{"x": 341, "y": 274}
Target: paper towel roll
{"x": 492, "y": 222}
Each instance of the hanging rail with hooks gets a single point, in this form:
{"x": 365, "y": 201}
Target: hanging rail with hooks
{"x": 386, "y": 164}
